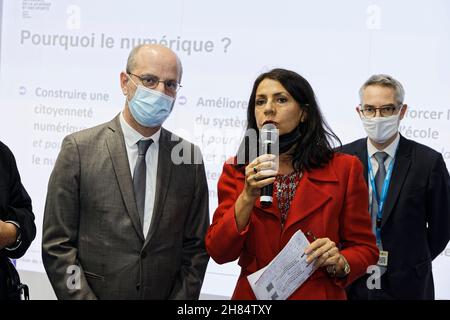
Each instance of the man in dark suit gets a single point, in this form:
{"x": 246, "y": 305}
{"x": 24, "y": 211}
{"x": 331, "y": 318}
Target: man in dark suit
{"x": 409, "y": 192}
{"x": 17, "y": 228}
{"x": 127, "y": 213}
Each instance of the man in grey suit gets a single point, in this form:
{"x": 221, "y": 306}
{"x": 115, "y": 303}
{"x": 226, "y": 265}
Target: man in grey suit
{"x": 124, "y": 219}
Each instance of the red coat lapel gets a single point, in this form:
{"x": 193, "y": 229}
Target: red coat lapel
{"x": 311, "y": 194}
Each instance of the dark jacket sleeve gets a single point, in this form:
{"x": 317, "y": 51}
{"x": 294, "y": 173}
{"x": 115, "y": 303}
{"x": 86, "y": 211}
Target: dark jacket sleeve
{"x": 438, "y": 208}
{"x": 60, "y": 226}
{"x": 16, "y": 203}
{"x": 194, "y": 257}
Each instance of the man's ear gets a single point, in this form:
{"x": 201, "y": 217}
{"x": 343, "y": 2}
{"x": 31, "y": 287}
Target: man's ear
{"x": 358, "y": 111}
{"x": 403, "y": 111}
{"x": 124, "y": 83}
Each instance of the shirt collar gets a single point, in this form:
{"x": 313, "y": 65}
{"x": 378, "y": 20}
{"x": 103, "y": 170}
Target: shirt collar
{"x": 390, "y": 149}
{"x": 132, "y": 136}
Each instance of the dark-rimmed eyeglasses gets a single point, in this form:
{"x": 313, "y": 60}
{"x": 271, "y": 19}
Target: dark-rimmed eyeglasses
{"x": 151, "y": 81}
{"x": 384, "y": 111}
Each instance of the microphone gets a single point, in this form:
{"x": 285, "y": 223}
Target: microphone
{"x": 269, "y": 145}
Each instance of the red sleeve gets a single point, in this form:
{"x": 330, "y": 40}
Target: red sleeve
{"x": 357, "y": 238}
{"x": 224, "y": 242}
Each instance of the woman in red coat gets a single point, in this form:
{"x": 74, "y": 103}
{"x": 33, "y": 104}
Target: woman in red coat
{"x": 316, "y": 190}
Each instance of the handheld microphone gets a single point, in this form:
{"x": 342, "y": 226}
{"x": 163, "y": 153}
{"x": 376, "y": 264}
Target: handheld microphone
{"x": 269, "y": 145}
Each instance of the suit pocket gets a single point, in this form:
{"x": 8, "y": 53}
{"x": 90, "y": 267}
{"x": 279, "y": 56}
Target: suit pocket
{"x": 93, "y": 276}
{"x": 423, "y": 268}
{"x": 410, "y": 283}
{"x": 415, "y": 192}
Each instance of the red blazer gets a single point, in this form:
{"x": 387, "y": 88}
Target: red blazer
{"x": 330, "y": 202}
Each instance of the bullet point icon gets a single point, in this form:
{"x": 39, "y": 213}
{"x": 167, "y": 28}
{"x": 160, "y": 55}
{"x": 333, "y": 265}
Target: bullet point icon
{"x": 22, "y": 90}
{"x": 182, "y": 100}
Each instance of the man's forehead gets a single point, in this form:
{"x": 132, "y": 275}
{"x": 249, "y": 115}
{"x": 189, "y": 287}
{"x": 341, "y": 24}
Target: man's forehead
{"x": 150, "y": 53}
{"x": 379, "y": 89}
{"x": 156, "y": 61}
{"x": 379, "y": 92}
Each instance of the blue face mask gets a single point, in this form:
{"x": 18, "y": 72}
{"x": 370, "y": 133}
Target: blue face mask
{"x": 150, "y": 108}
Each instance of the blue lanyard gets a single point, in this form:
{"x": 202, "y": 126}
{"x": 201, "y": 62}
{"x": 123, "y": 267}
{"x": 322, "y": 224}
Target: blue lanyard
{"x": 381, "y": 200}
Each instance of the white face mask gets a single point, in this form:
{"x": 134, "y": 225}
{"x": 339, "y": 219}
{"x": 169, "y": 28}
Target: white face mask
{"x": 380, "y": 129}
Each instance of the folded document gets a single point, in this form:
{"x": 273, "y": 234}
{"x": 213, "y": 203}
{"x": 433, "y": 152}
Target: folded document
{"x": 285, "y": 273}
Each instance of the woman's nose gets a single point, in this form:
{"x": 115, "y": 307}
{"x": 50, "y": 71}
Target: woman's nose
{"x": 269, "y": 108}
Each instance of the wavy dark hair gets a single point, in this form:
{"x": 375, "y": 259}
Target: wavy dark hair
{"x": 314, "y": 147}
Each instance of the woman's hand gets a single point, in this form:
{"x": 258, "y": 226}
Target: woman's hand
{"x": 327, "y": 255}
{"x": 259, "y": 173}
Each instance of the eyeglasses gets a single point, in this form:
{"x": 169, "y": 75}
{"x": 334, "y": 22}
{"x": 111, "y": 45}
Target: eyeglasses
{"x": 151, "y": 81}
{"x": 385, "y": 111}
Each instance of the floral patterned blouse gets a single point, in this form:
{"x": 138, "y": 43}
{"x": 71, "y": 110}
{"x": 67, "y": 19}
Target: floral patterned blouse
{"x": 285, "y": 187}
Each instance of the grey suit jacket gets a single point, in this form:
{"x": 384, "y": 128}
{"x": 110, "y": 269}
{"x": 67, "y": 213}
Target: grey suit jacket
{"x": 93, "y": 245}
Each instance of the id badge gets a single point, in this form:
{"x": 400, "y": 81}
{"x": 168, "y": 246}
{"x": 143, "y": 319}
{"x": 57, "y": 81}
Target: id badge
{"x": 383, "y": 260}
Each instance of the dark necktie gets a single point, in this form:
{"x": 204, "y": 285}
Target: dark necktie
{"x": 139, "y": 177}
{"x": 381, "y": 173}
{"x": 379, "y": 181}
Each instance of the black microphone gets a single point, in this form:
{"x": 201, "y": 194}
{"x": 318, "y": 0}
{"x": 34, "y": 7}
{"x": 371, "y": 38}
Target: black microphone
{"x": 269, "y": 145}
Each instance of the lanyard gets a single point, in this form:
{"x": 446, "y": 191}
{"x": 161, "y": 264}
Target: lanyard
{"x": 381, "y": 199}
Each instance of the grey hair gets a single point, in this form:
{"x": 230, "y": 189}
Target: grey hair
{"x": 131, "y": 61}
{"x": 384, "y": 80}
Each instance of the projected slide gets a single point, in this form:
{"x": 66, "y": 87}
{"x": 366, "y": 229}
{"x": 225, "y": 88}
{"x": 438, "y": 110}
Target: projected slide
{"x": 60, "y": 65}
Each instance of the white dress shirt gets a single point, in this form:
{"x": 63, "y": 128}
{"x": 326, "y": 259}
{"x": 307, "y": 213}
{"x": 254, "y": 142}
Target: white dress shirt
{"x": 390, "y": 150}
{"x": 151, "y": 160}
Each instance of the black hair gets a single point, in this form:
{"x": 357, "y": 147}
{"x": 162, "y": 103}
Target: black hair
{"x": 314, "y": 146}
